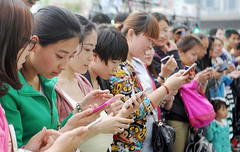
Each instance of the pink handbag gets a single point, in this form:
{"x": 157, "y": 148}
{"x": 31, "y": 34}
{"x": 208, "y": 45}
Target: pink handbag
{"x": 200, "y": 111}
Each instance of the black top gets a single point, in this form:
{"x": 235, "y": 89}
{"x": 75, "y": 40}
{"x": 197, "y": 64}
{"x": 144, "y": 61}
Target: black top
{"x": 104, "y": 84}
{"x": 177, "y": 111}
{"x": 160, "y": 54}
{"x": 199, "y": 67}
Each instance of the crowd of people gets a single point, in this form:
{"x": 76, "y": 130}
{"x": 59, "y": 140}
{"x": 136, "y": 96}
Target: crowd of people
{"x": 57, "y": 68}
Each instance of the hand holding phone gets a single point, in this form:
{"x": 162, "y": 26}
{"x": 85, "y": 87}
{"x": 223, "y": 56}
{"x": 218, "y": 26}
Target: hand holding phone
{"x": 144, "y": 91}
{"x": 165, "y": 59}
{"x": 210, "y": 69}
{"x": 104, "y": 104}
{"x": 191, "y": 68}
{"x": 140, "y": 94}
{"x": 223, "y": 67}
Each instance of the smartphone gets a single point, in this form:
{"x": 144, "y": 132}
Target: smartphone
{"x": 223, "y": 67}
{"x": 141, "y": 93}
{"x": 104, "y": 104}
{"x": 165, "y": 59}
{"x": 191, "y": 68}
{"x": 94, "y": 122}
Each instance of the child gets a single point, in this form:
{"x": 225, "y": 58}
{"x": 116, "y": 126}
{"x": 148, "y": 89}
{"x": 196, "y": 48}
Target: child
{"x": 218, "y": 132}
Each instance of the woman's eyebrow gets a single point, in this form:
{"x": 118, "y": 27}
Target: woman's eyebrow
{"x": 64, "y": 51}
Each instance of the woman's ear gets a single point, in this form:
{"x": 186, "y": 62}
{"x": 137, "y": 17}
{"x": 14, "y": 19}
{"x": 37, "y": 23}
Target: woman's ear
{"x": 95, "y": 57}
{"x": 180, "y": 51}
{"x": 36, "y": 39}
{"x": 130, "y": 34}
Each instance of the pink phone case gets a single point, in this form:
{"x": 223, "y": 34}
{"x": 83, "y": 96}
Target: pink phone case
{"x": 104, "y": 104}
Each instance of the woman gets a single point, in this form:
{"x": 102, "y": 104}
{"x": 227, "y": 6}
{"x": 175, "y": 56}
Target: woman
{"x": 19, "y": 26}
{"x": 164, "y": 47}
{"x": 221, "y": 77}
{"x": 80, "y": 87}
{"x": 79, "y": 64}
{"x": 34, "y": 104}
{"x": 140, "y": 30}
{"x": 146, "y": 79}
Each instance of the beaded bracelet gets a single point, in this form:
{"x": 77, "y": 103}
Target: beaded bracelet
{"x": 163, "y": 101}
{"x": 165, "y": 87}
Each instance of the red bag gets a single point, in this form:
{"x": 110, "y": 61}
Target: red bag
{"x": 200, "y": 111}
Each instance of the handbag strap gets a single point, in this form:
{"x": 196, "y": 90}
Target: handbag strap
{"x": 159, "y": 112}
{"x": 150, "y": 112}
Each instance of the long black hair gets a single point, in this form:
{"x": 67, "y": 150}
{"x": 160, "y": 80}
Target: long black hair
{"x": 52, "y": 24}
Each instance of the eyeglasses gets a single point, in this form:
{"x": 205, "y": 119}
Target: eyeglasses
{"x": 150, "y": 41}
{"x": 31, "y": 45}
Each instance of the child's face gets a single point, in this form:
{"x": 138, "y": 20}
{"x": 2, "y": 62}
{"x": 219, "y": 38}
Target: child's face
{"x": 222, "y": 112}
{"x": 190, "y": 56}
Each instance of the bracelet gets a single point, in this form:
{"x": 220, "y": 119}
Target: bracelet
{"x": 78, "y": 107}
{"x": 165, "y": 87}
{"x": 161, "y": 77}
{"x": 163, "y": 101}
{"x": 59, "y": 126}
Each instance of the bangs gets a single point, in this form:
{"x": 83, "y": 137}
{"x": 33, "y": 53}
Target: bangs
{"x": 119, "y": 53}
{"x": 111, "y": 44}
{"x": 142, "y": 22}
{"x": 152, "y": 28}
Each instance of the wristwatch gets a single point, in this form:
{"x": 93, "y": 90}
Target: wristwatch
{"x": 161, "y": 77}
